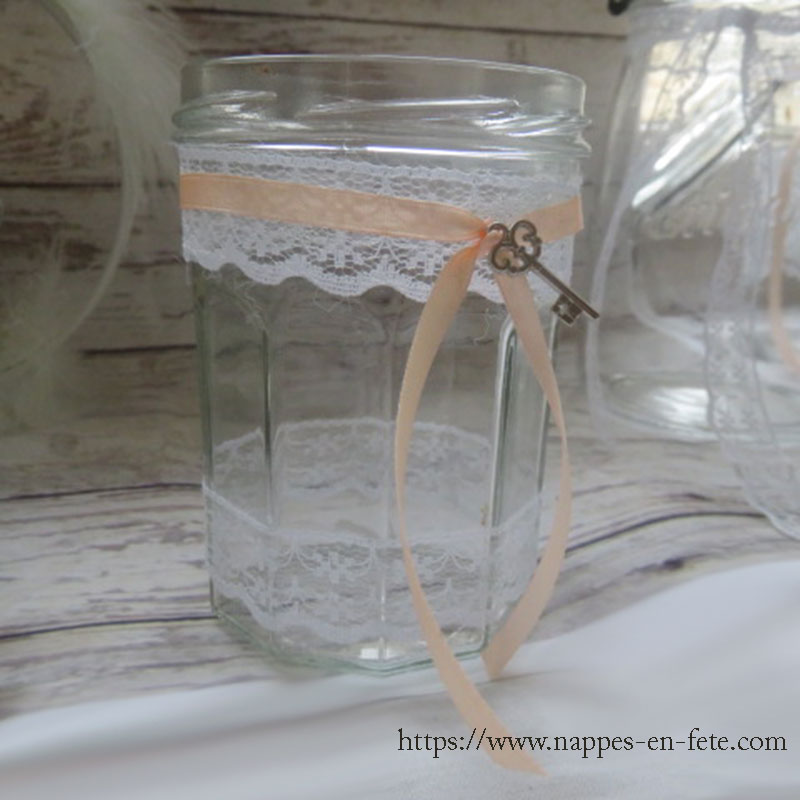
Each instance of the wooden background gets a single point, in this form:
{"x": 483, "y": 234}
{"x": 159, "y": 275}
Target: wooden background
{"x": 57, "y": 151}
{"x": 102, "y": 584}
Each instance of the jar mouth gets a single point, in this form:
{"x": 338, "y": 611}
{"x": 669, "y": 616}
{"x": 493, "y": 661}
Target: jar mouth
{"x": 382, "y": 99}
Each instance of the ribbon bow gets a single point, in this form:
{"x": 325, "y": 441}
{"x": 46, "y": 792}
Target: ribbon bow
{"x": 513, "y": 252}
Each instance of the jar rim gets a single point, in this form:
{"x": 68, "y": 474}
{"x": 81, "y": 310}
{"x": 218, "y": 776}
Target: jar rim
{"x": 195, "y": 68}
{"x": 329, "y": 95}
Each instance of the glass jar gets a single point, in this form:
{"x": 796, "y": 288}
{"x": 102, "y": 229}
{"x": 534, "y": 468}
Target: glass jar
{"x": 677, "y": 133}
{"x": 753, "y": 324}
{"x": 304, "y": 332}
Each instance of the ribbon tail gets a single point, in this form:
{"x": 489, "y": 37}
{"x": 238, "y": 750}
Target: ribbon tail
{"x": 521, "y": 306}
{"x": 445, "y": 299}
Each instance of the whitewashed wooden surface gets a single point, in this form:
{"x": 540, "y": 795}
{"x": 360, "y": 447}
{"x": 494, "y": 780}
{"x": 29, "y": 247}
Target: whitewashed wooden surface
{"x": 103, "y": 592}
{"x": 58, "y": 164}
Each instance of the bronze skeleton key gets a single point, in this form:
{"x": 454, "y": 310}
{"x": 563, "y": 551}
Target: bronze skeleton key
{"x": 519, "y": 251}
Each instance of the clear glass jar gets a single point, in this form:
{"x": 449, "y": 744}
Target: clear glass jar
{"x": 753, "y": 325}
{"x": 677, "y": 133}
{"x": 304, "y": 333}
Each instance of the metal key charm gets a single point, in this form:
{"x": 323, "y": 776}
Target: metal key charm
{"x": 519, "y": 251}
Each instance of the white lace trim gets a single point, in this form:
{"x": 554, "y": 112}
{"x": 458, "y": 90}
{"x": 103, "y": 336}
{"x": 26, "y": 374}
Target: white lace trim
{"x": 334, "y": 579}
{"x": 349, "y": 264}
{"x": 764, "y": 450}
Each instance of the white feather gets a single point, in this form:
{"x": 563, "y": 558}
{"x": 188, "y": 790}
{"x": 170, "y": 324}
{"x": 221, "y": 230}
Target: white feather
{"x": 135, "y": 51}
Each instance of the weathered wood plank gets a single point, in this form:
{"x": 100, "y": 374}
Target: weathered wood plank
{"x": 105, "y": 452}
{"x": 100, "y": 663}
{"x": 51, "y": 129}
{"x": 532, "y": 16}
{"x": 120, "y": 609}
{"x": 123, "y": 419}
{"x": 101, "y": 557}
{"x": 606, "y": 572}
{"x": 146, "y": 306}
{"x": 54, "y": 131}
{"x": 91, "y": 559}
{"x": 80, "y": 222}
{"x": 149, "y": 303}
{"x": 106, "y": 577}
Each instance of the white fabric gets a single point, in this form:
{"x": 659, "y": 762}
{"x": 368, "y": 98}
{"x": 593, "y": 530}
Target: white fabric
{"x": 349, "y": 264}
{"x": 721, "y": 653}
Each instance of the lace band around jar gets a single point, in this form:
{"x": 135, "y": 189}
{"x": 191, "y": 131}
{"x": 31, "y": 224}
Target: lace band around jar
{"x": 348, "y": 264}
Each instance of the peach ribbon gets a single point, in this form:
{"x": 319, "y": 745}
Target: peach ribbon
{"x": 780, "y": 335}
{"x": 362, "y": 212}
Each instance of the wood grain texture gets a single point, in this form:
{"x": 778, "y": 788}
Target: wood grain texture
{"x": 105, "y": 592}
{"x": 149, "y": 303}
{"x": 51, "y": 130}
{"x": 58, "y": 156}
{"x": 54, "y": 132}
{"x": 118, "y": 609}
{"x": 531, "y": 16}
{"x": 97, "y": 663}
{"x": 133, "y": 550}
{"x": 126, "y": 418}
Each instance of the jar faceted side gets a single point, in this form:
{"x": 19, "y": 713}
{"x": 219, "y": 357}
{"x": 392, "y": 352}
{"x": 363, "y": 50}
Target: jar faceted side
{"x": 320, "y": 577}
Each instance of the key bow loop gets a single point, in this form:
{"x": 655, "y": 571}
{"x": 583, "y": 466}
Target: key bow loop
{"x": 518, "y": 250}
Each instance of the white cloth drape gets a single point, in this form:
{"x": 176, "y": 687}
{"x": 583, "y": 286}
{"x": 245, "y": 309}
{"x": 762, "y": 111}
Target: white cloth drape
{"x": 721, "y": 653}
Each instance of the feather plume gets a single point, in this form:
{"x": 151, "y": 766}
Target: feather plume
{"x": 135, "y": 51}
